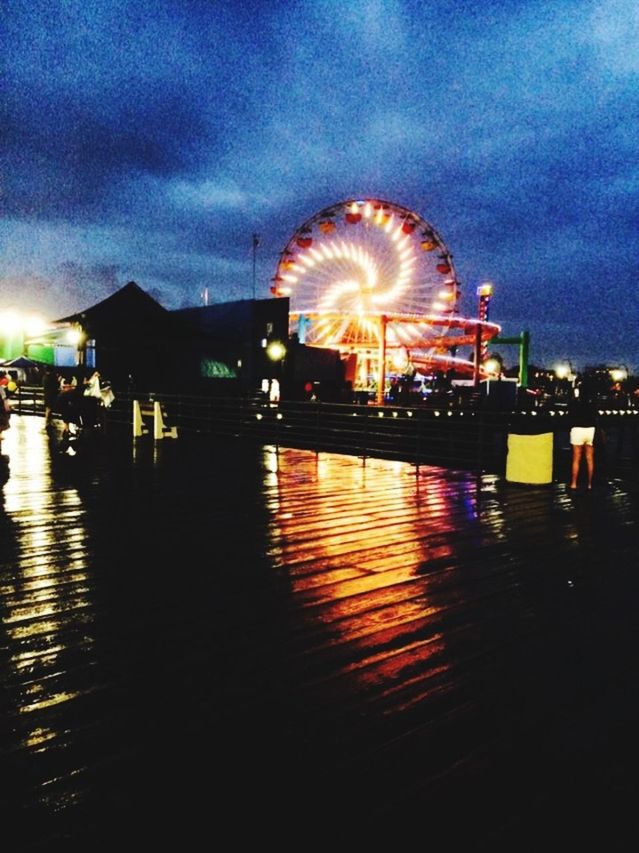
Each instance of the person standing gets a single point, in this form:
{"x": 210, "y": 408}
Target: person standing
{"x": 5, "y": 410}
{"x": 582, "y": 415}
{"x": 92, "y": 399}
{"x": 50, "y": 388}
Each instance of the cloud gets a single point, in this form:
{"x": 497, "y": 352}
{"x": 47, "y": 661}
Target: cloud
{"x": 209, "y": 195}
{"x": 152, "y": 141}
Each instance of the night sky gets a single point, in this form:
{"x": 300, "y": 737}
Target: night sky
{"x": 148, "y": 141}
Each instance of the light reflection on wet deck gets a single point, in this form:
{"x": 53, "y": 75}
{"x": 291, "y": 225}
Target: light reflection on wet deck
{"x": 184, "y": 624}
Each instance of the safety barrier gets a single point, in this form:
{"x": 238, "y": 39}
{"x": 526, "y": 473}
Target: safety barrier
{"x": 152, "y": 410}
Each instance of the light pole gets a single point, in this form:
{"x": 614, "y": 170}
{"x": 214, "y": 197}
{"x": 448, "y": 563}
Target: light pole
{"x": 564, "y": 373}
{"x": 484, "y": 292}
{"x": 493, "y": 366}
{"x": 381, "y": 372}
{"x": 256, "y": 243}
{"x": 276, "y": 351}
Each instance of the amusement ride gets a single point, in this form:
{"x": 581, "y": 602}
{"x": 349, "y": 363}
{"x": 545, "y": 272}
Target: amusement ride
{"x": 377, "y": 282}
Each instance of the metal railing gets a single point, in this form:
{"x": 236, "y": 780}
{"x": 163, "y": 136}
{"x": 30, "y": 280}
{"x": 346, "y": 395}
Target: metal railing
{"x": 472, "y": 438}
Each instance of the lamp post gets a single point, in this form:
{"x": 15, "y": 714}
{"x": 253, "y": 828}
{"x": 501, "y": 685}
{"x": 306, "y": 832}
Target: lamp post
{"x": 565, "y": 374}
{"x": 618, "y": 390}
{"x": 484, "y": 292}
{"x": 493, "y": 366}
{"x": 78, "y": 338}
{"x": 381, "y": 372}
{"x": 15, "y": 329}
{"x": 619, "y": 374}
{"x": 256, "y": 243}
{"x": 276, "y": 351}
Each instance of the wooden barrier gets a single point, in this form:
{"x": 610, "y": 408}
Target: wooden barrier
{"x": 143, "y": 412}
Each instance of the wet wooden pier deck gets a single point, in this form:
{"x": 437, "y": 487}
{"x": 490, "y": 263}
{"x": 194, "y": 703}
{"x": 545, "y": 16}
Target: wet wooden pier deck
{"x": 205, "y": 642}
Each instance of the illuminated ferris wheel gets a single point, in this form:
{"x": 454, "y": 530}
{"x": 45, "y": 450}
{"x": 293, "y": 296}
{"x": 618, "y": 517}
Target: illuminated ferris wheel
{"x": 374, "y": 278}
{"x": 361, "y": 260}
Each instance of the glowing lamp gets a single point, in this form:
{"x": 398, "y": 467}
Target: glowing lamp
{"x": 400, "y": 359}
{"x": 276, "y": 350}
{"x": 428, "y": 245}
{"x": 304, "y": 242}
{"x": 618, "y": 374}
{"x": 485, "y": 289}
{"x": 492, "y": 365}
{"x": 34, "y": 326}
{"x": 327, "y": 226}
{"x": 408, "y": 227}
{"x": 11, "y": 322}
{"x": 75, "y": 336}
{"x": 353, "y": 217}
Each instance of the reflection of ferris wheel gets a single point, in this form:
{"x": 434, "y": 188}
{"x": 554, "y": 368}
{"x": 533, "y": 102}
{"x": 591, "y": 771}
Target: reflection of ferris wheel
{"x": 367, "y": 276}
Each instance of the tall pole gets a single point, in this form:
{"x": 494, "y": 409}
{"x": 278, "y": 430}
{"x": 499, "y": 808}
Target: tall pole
{"x": 524, "y": 347}
{"x": 484, "y": 292}
{"x": 477, "y": 356}
{"x": 523, "y": 341}
{"x": 381, "y": 378}
{"x": 256, "y": 243}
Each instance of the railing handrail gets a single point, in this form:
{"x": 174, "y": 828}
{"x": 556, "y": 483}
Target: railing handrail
{"x": 473, "y": 438}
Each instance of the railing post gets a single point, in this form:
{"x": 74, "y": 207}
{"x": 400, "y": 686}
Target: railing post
{"x": 365, "y": 443}
{"x": 278, "y": 418}
{"x": 480, "y": 443}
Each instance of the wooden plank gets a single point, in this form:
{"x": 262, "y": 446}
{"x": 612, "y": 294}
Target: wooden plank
{"x": 211, "y": 633}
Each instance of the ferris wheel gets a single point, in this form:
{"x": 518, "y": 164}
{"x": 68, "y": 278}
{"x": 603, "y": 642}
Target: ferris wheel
{"x": 359, "y": 261}
{"x": 376, "y": 281}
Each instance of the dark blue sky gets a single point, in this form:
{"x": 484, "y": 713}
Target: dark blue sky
{"x": 149, "y": 140}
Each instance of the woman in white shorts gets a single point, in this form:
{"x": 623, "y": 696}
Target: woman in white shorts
{"x": 582, "y": 437}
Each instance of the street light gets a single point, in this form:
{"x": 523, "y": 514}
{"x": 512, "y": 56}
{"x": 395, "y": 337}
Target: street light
{"x": 256, "y": 243}
{"x": 74, "y": 336}
{"x": 492, "y": 365}
{"x": 77, "y": 337}
{"x": 618, "y": 374}
{"x": 484, "y": 292}
{"x": 276, "y": 351}
{"x": 15, "y": 328}
{"x": 564, "y": 373}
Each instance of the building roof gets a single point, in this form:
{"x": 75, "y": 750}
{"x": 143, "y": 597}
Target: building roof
{"x": 129, "y": 311}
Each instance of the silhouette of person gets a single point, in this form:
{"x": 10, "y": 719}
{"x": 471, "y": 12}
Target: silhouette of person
{"x": 50, "y": 387}
{"x": 582, "y": 419}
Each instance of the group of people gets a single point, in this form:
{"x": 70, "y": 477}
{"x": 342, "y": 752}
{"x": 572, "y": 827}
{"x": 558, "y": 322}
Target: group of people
{"x": 75, "y": 402}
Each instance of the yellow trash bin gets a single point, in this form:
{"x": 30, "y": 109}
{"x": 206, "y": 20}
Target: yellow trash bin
{"x": 529, "y": 458}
